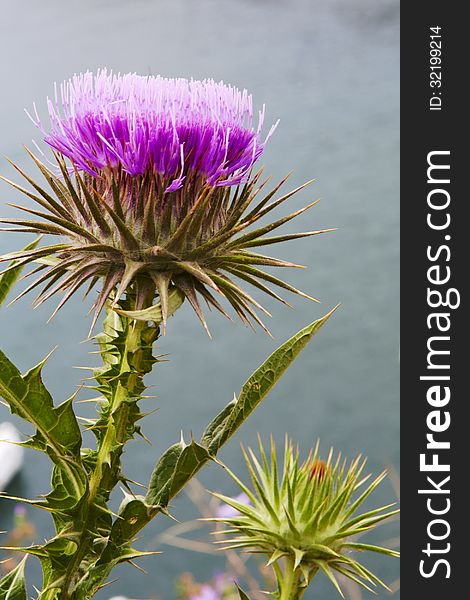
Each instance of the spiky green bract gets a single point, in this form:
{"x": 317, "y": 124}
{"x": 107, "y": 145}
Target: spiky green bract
{"x": 116, "y": 230}
{"x": 307, "y": 516}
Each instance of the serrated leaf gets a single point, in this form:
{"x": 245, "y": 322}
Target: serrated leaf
{"x": 160, "y": 481}
{"x": 13, "y": 585}
{"x": 258, "y": 386}
{"x": 133, "y": 514}
{"x": 68, "y": 485}
{"x": 8, "y": 279}
{"x": 57, "y": 430}
{"x": 177, "y": 466}
{"x": 179, "y": 463}
{"x": 192, "y": 458}
{"x": 28, "y": 398}
{"x": 92, "y": 582}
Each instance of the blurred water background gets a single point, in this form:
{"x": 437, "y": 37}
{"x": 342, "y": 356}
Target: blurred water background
{"x": 329, "y": 70}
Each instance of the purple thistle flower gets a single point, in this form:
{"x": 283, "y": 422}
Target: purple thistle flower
{"x": 157, "y": 198}
{"x": 173, "y": 127}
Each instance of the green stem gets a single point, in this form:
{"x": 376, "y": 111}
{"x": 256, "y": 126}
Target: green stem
{"x": 289, "y": 585}
{"x": 106, "y": 474}
{"x": 102, "y": 478}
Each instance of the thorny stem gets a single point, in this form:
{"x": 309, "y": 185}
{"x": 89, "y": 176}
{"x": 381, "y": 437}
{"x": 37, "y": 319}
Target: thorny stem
{"x": 98, "y": 479}
{"x": 103, "y": 478}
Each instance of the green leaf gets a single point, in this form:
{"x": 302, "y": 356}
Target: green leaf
{"x": 28, "y": 398}
{"x": 97, "y": 574}
{"x": 13, "y": 586}
{"x": 8, "y": 279}
{"x": 258, "y": 386}
{"x": 160, "y": 481}
{"x": 175, "y": 468}
{"x": 180, "y": 462}
{"x": 57, "y": 430}
{"x": 134, "y": 512}
{"x": 191, "y": 460}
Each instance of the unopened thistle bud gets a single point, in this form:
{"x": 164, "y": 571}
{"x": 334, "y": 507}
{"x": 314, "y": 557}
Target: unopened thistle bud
{"x": 154, "y": 190}
{"x": 307, "y": 515}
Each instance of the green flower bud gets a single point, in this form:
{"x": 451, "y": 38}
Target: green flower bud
{"x": 307, "y": 516}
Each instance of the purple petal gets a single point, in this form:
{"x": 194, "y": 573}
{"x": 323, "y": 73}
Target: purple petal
{"x": 153, "y": 124}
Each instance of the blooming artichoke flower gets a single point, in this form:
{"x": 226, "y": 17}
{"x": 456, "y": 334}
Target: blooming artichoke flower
{"x": 154, "y": 192}
{"x": 308, "y": 517}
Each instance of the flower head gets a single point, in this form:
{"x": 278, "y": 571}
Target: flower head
{"x": 174, "y": 127}
{"x": 308, "y": 516}
{"x": 153, "y": 195}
